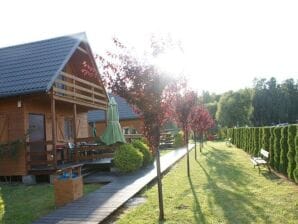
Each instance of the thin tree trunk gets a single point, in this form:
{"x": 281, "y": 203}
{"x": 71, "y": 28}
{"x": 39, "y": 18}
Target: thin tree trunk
{"x": 195, "y": 137}
{"x": 187, "y": 152}
{"x": 159, "y": 186}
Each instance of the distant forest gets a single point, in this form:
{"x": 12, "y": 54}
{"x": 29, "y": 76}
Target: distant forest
{"x": 267, "y": 103}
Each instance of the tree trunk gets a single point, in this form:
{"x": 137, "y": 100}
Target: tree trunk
{"x": 201, "y": 142}
{"x": 187, "y": 152}
{"x": 159, "y": 186}
{"x": 195, "y": 137}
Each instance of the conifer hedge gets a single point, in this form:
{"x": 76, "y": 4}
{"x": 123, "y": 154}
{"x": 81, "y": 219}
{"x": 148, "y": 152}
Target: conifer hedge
{"x": 256, "y": 142}
{"x": 291, "y": 152}
{"x": 283, "y": 162}
{"x": 281, "y": 142}
{"x": 271, "y": 147}
{"x": 276, "y": 147}
{"x": 265, "y": 138}
{"x": 295, "y": 173}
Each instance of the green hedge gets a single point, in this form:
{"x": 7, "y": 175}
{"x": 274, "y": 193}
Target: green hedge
{"x": 295, "y": 173}
{"x": 281, "y": 142}
{"x": 283, "y": 162}
{"x": 277, "y": 136}
{"x": 291, "y": 152}
{"x": 265, "y": 138}
{"x": 271, "y": 147}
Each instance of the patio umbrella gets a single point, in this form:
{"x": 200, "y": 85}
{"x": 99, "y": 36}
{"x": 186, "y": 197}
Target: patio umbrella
{"x": 113, "y": 132}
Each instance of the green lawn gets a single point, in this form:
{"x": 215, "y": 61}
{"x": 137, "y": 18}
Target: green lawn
{"x": 223, "y": 188}
{"x": 23, "y": 204}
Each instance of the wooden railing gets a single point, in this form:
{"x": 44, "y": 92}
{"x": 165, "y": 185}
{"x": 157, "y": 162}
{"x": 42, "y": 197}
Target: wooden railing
{"x": 40, "y": 160}
{"x": 85, "y": 150}
{"x": 131, "y": 137}
{"x": 73, "y": 89}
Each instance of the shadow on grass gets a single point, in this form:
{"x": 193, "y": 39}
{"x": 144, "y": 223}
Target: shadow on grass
{"x": 199, "y": 216}
{"x": 271, "y": 176}
{"x": 227, "y": 189}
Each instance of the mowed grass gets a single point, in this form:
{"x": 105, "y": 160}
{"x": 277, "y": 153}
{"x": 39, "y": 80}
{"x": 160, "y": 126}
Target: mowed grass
{"x": 223, "y": 188}
{"x": 23, "y": 204}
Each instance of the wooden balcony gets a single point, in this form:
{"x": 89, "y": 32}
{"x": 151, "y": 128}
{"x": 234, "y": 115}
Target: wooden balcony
{"x": 70, "y": 88}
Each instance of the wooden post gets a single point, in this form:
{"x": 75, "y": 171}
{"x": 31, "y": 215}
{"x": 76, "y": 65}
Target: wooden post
{"x": 54, "y": 126}
{"x": 75, "y": 130}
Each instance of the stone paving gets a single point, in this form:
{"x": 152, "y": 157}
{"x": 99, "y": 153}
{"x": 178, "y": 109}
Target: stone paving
{"x": 98, "y": 205}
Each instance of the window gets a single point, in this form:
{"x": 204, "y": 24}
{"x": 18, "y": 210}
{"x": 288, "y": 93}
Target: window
{"x": 68, "y": 129}
{"x": 128, "y": 131}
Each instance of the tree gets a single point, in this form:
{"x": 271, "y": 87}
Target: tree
{"x": 183, "y": 105}
{"x": 235, "y": 108}
{"x": 144, "y": 87}
{"x": 201, "y": 121}
{"x": 274, "y": 103}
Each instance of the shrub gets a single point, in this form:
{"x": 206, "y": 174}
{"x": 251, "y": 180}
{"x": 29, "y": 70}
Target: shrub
{"x": 144, "y": 149}
{"x": 295, "y": 173}
{"x": 283, "y": 163}
{"x": 256, "y": 142}
{"x": 277, "y": 134}
{"x": 178, "y": 140}
{"x": 127, "y": 158}
{"x": 271, "y": 147}
{"x": 265, "y": 138}
{"x": 291, "y": 152}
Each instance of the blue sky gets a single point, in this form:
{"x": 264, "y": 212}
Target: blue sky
{"x": 226, "y": 43}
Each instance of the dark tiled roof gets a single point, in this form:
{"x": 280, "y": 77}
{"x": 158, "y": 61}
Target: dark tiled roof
{"x": 125, "y": 111}
{"x": 32, "y": 67}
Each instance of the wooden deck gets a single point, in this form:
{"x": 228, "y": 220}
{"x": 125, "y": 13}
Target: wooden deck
{"x": 99, "y": 205}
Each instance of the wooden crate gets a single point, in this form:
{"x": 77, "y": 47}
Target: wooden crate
{"x": 67, "y": 190}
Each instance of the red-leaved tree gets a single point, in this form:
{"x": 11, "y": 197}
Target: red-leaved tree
{"x": 183, "y": 105}
{"x": 145, "y": 88}
{"x": 201, "y": 122}
{"x": 142, "y": 85}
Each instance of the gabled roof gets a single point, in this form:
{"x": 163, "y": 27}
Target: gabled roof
{"x": 33, "y": 67}
{"x": 125, "y": 111}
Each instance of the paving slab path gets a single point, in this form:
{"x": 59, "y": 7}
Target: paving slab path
{"x": 100, "y": 204}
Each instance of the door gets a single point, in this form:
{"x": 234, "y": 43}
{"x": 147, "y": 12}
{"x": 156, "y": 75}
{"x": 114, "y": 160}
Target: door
{"x": 37, "y": 139}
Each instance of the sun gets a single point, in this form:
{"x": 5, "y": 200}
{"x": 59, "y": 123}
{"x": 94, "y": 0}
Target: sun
{"x": 171, "y": 62}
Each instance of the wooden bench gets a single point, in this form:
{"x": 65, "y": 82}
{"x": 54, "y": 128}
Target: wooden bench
{"x": 229, "y": 142}
{"x": 261, "y": 160}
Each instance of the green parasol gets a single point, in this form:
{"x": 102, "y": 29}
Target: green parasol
{"x": 113, "y": 132}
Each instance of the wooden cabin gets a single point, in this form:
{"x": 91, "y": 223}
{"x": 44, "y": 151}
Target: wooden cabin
{"x": 132, "y": 124}
{"x": 46, "y": 89}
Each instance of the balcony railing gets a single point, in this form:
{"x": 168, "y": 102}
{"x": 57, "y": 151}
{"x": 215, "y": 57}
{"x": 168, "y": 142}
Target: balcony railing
{"x": 73, "y": 89}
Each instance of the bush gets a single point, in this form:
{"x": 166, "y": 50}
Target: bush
{"x": 283, "y": 163}
{"x": 277, "y": 135}
{"x": 178, "y": 140}
{"x": 256, "y": 142}
{"x": 127, "y": 158}
{"x": 266, "y": 138}
{"x": 295, "y": 174}
{"x": 144, "y": 149}
{"x": 291, "y": 152}
{"x": 271, "y": 147}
